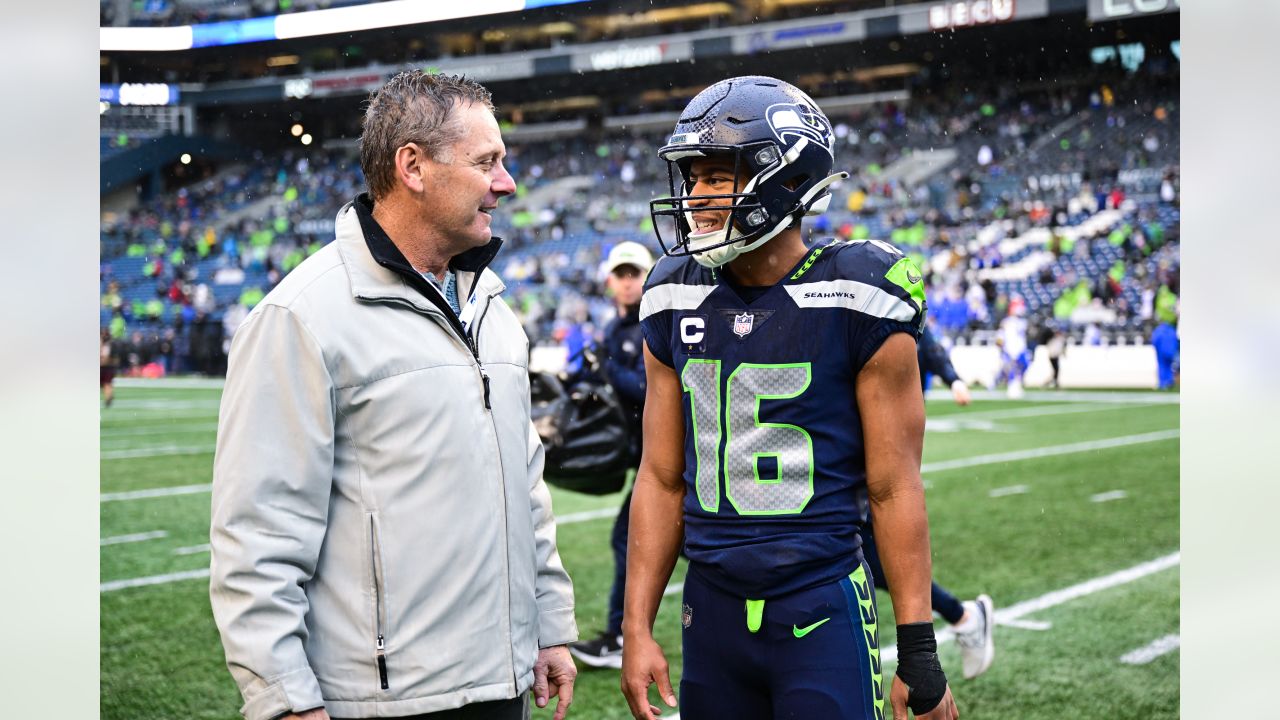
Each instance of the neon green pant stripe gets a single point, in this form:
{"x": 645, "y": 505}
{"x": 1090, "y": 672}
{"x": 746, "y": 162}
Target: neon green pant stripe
{"x": 871, "y": 633}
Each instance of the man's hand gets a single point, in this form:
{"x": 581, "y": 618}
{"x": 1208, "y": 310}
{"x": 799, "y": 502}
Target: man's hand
{"x": 960, "y": 393}
{"x": 553, "y": 675}
{"x": 314, "y": 714}
{"x": 945, "y": 710}
{"x": 643, "y": 664}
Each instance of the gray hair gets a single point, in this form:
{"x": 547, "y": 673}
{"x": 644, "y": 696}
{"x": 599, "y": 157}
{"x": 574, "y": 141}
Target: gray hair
{"x": 414, "y": 107}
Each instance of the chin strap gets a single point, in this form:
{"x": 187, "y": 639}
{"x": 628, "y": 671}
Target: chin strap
{"x": 820, "y": 206}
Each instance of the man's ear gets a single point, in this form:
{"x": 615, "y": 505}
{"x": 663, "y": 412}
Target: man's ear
{"x": 412, "y": 166}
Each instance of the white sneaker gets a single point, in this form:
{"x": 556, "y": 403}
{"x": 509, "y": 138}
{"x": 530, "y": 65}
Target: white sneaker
{"x": 977, "y": 646}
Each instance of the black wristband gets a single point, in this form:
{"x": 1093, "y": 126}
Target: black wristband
{"x": 919, "y": 668}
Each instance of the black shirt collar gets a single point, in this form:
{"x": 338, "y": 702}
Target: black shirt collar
{"x": 386, "y": 253}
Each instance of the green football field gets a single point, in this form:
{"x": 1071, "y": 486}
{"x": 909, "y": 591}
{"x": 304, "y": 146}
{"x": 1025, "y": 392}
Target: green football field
{"x": 1062, "y": 506}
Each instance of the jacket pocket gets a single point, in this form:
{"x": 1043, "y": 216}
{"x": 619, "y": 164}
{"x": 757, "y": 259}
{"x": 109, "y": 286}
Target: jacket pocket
{"x": 379, "y": 603}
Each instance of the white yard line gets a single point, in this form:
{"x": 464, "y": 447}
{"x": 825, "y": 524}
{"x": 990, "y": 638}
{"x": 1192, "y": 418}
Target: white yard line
{"x": 1108, "y": 496}
{"x": 155, "y": 492}
{"x": 1096, "y": 396}
{"x": 940, "y": 466}
{"x": 1049, "y": 451}
{"x": 1011, "y": 490}
{"x": 1058, "y": 597}
{"x": 153, "y": 580}
{"x": 135, "y": 537}
{"x": 171, "y": 429}
{"x": 1147, "y": 653}
{"x": 155, "y": 451}
{"x": 110, "y": 419}
{"x": 192, "y": 549}
{"x": 1038, "y": 625}
{"x": 138, "y": 404}
{"x": 1030, "y": 412}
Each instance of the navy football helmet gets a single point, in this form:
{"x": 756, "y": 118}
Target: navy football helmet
{"x": 776, "y": 134}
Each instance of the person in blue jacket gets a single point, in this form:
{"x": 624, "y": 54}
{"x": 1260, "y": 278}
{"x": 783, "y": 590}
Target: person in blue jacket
{"x": 623, "y": 364}
{"x": 1165, "y": 340}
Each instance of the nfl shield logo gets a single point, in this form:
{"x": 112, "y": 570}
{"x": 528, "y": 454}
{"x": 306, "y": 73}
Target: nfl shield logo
{"x": 742, "y": 324}
{"x": 686, "y": 615}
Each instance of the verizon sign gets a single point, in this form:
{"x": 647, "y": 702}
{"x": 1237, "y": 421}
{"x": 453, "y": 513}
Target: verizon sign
{"x": 628, "y": 56}
{"x": 1112, "y": 9}
{"x": 967, "y": 13}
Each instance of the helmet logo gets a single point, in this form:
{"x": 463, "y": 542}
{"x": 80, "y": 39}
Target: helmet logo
{"x": 800, "y": 120}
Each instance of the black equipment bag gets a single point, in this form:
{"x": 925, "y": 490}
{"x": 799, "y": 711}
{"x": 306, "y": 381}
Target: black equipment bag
{"x": 584, "y": 431}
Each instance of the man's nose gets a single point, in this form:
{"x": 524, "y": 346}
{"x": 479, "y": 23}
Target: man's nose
{"x": 503, "y": 183}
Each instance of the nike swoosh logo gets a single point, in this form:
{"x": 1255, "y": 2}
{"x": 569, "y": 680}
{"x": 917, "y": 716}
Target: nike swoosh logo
{"x": 802, "y": 631}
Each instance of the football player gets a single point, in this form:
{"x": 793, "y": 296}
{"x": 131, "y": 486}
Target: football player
{"x": 782, "y": 379}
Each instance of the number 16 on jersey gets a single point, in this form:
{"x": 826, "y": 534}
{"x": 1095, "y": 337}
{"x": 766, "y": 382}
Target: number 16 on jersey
{"x": 732, "y": 422}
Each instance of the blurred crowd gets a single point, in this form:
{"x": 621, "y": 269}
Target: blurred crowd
{"x": 1063, "y": 205}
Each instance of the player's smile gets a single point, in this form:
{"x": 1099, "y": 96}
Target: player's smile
{"x": 709, "y": 221}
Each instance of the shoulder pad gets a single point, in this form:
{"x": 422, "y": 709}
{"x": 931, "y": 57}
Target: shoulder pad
{"x": 669, "y": 269}
{"x": 878, "y": 263}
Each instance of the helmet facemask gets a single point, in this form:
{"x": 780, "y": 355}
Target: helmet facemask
{"x": 781, "y": 150}
{"x": 744, "y": 212}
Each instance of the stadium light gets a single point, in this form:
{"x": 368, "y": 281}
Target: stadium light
{"x": 144, "y": 39}
{"x": 296, "y": 129}
{"x": 306, "y": 139}
{"x": 391, "y": 13}
{"x": 185, "y": 159}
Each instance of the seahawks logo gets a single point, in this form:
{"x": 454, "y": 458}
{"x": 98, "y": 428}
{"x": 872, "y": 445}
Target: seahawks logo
{"x": 792, "y": 121}
{"x": 913, "y": 279}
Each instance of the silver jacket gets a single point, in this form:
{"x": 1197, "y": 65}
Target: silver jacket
{"x": 382, "y": 542}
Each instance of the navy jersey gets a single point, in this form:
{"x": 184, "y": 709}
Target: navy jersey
{"x": 774, "y": 456}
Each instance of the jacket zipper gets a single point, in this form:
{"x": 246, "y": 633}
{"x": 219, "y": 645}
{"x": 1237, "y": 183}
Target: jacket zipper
{"x": 380, "y": 643}
{"x": 382, "y": 663}
{"x": 474, "y": 340}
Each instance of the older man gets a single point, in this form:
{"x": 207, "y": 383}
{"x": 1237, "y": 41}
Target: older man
{"x": 383, "y": 543}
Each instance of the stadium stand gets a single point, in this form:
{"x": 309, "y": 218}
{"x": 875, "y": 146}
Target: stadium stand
{"x": 1061, "y": 194}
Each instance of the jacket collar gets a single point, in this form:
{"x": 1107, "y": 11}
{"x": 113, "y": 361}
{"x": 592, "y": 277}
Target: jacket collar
{"x": 377, "y": 270}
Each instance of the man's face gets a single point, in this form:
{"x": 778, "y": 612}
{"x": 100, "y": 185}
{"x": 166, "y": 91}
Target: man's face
{"x": 626, "y": 282}
{"x": 460, "y": 194}
{"x": 711, "y": 176}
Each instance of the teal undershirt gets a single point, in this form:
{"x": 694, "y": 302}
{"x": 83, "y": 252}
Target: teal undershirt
{"x": 449, "y": 290}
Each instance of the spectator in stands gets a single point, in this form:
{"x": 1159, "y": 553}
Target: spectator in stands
{"x": 623, "y": 359}
{"x": 382, "y": 539}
